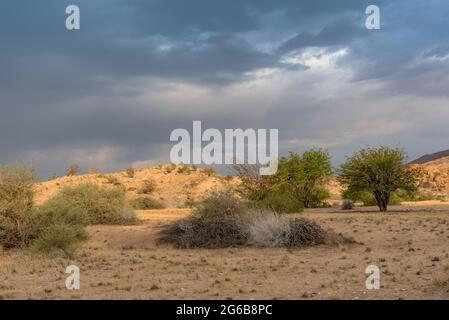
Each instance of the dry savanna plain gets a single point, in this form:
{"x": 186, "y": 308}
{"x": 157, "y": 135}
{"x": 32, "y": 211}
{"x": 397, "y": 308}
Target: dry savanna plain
{"x": 409, "y": 244}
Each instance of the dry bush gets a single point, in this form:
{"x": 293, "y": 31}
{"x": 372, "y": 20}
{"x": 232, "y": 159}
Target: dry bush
{"x": 305, "y": 232}
{"x": 215, "y": 223}
{"x": 146, "y": 203}
{"x": 73, "y": 170}
{"x": 99, "y": 205}
{"x": 147, "y": 187}
{"x": 347, "y": 205}
{"x": 113, "y": 180}
{"x": 210, "y": 171}
{"x": 223, "y": 220}
{"x": 268, "y": 229}
{"x": 16, "y": 203}
{"x": 218, "y": 231}
{"x": 131, "y": 172}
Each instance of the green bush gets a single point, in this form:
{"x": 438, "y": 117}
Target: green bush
{"x": 98, "y": 205}
{"x": 65, "y": 237}
{"x": 146, "y": 203}
{"x": 280, "y": 202}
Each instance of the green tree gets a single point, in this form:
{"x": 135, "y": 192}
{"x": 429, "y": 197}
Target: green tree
{"x": 380, "y": 171}
{"x": 304, "y": 176}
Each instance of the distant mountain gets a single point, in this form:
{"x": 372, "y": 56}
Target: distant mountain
{"x": 431, "y": 157}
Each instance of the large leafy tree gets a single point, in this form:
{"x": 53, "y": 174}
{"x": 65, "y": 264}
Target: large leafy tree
{"x": 299, "y": 182}
{"x": 304, "y": 175}
{"x": 380, "y": 171}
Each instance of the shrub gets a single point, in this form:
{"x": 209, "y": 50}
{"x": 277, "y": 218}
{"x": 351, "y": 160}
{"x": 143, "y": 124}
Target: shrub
{"x": 268, "y": 229}
{"x": 147, "y": 187}
{"x": 60, "y": 236}
{"x": 99, "y": 205}
{"x": 209, "y": 171}
{"x": 53, "y": 225}
{"x": 280, "y": 202}
{"x": 16, "y": 203}
{"x": 214, "y": 223}
{"x": 73, "y": 170}
{"x": 113, "y": 180}
{"x": 223, "y": 220}
{"x": 347, "y": 205}
{"x": 146, "y": 203}
{"x": 169, "y": 168}
{"x": 184, "y": 170}
{"x": 131, "y": 172}
{"x": 304, "y": 232}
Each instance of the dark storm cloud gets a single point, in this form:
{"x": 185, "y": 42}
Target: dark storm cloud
{"x": 109, "y": 84}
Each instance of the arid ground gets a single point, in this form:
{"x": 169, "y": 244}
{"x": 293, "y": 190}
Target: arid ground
{"x": 409, "y": 245}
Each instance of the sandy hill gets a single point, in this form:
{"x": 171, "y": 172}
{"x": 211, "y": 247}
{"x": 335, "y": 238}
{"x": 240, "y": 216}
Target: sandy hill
{"x": 174, "y": 185}
{"x": 436, "y": 176}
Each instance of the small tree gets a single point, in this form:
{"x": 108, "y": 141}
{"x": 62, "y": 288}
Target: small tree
{"x": 380, "y": 171}
{"x": 305, "y": 175}
{"x": 73, "y": 170}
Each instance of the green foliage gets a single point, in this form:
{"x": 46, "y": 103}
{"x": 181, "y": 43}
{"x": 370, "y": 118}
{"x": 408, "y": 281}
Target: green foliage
{"x": 280, "y": 202}
{"x": 146, "y": 203}
{"x": 298, "y": 183}
{"x": 65, "y": 237}
{"x": 98, "y": 205}
{"x": 379, "y": 171}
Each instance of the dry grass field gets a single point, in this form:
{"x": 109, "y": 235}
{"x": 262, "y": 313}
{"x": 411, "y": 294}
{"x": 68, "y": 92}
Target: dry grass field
{"x": 408, "y": 244}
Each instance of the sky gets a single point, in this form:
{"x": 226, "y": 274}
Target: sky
{"x": 107, "y": 96}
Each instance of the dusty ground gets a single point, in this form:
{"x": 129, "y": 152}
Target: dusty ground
{"x": 409, "y": 245}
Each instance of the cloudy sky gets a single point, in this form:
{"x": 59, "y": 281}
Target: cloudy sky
{"x": 108, "y": 95}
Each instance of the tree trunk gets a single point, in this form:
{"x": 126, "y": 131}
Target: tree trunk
{"x": 382, "y": 199}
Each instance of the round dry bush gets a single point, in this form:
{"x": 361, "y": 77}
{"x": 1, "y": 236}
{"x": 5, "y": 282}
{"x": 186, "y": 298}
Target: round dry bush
{"x": 304, "y": 232}
{"x": 218, "y": 231}
{"x": 268, "y": 229}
